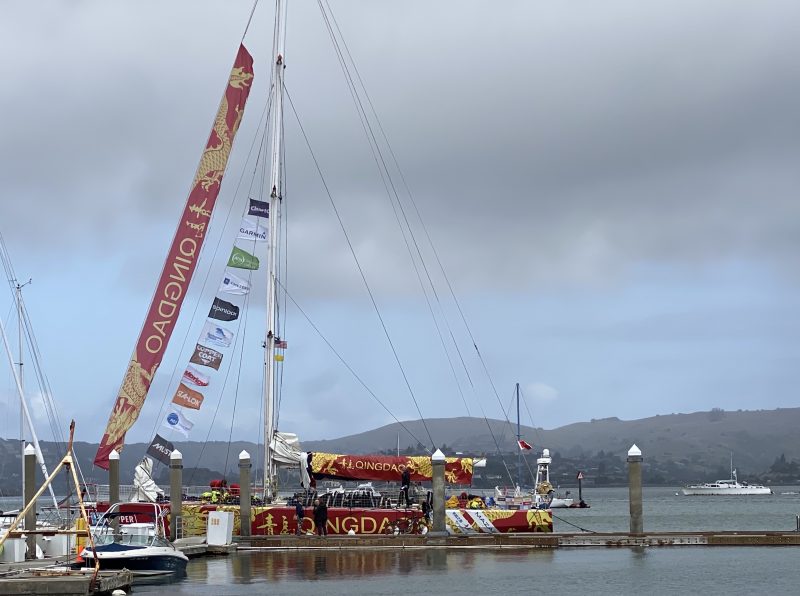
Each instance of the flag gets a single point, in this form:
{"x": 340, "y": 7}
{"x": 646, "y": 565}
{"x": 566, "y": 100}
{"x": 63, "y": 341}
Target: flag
{"x": 223, "y": 311}
{"x": 216, "y": 335}
{"x": 177, "y": 421}
{"x": 524, "y": 445}
{"x": 188, "y": 398}
{"x": 278, "y": 357}
{"x": 205, "y": 356}
{"x": 195, "y": 377}
{"x": 281, "y": 343}
{"x": 233, "y": 284}
{"x": 250, "y": 230}
{"x": 181, "y": 261}
{"x": 161, "y": 449}
{"x": 258, "y": 208}
{"x": 241, "y": 259}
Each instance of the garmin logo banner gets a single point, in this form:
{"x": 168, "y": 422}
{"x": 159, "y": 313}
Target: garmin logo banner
{"x": 223, "y": 311}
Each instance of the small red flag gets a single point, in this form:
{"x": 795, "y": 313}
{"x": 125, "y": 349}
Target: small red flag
{"x": 524, "y": 445}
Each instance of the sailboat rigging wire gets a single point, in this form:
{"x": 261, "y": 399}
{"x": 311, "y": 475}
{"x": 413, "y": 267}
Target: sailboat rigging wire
{"x": 249, "y": 19}
{"x": 408, "y": 192}
{"x": 433, "y": 247}
{"x": 264, "y": 116}
{"x": 406, "y": 230}
{"x": 348, "y": 367}
{"x": 360, "y": 271}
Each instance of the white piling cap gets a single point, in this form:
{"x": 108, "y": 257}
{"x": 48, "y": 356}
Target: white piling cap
{"x": 114, "y": 454}
{"x": 244, "y": 455}
{"x": 438, "y": 456}
{"x": 29, "y": 450}
{"x": 176, "y": 454}
{"x": 634, "y": 451}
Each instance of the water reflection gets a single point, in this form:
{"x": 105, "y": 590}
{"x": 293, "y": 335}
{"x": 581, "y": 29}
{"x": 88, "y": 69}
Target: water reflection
{"x": 257, "y": 566}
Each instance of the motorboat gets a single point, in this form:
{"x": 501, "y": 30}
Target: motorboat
{"x": 141, "y": 547}
{"x": 732, "y": 486}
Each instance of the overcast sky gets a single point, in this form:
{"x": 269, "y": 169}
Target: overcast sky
{"x": 612, "y": 187}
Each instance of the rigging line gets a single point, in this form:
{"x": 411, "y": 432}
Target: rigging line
{"x": 360, "y": 270}
{"x": 571, "y": 524}
{"x": 346, "y": 365}
{"x": 243, "y": 327}
{"x": 391, "y": 191}
{"x": 407, "y": 188}
{"x": 264, "y": 113}
{"x": 250, "y": 18}
{"x": 236, "y": 344}
{"x": 496, "y": 443}
{"x": 530, "y": 416}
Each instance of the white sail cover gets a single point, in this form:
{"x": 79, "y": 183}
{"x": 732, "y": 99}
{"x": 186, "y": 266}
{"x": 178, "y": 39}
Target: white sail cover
{"x": 146, "y": 490}
{"x": 286, "y": 453}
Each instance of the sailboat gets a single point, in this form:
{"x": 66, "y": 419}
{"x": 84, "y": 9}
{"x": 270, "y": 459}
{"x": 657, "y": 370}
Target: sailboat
{"x": 261, "y": 226}
{"x": 543, "y": 494}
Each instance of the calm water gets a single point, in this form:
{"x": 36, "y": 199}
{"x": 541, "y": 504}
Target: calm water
{"x": 588, "y": 571}
{"x": 687, "y": 570}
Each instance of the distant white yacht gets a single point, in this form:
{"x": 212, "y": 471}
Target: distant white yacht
{"x": 731, "y": 486}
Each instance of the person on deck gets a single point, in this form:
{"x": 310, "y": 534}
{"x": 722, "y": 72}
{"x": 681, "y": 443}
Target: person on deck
{"x": 321, "y": 517}
{"x": 405, "y": 484}
{"x": 299, "y": 514}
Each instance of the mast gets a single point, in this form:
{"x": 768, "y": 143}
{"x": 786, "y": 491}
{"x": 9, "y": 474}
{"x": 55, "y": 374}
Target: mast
{"x": 26, "y": 413}
{"x": 276, "y": 145}
{"x": 519, "y": 448}
{"x": 18, "y": 287}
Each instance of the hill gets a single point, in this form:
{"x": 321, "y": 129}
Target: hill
{"x": 676, "y": 447}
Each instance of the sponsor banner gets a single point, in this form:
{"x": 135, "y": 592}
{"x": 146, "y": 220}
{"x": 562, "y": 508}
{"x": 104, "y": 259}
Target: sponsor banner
{"x": 241, "y": 259}
{"x": 250, "y": 230}
{"x": 194, "y": 377}
{"x": 216, "y": 335}
{"x": 233, "y": 284}
{"x": 457, "y": 470}
{"x": 180, "y": 263}
{"x": 188, "y": 398}
{"x": 160, "y": 449}
{"x": 177, "y": 421}
{"x": 205, "y": 356}
{"x": 258, "y": 208}
{"x": 223, "y": 311}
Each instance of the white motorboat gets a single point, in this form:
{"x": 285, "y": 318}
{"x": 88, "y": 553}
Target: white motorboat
{"x": 732, "y": 486}
{"x": 140, "y": 547}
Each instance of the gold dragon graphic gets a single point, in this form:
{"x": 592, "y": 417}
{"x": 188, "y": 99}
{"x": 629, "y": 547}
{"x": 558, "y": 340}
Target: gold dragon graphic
{"x": 215, "y": 157}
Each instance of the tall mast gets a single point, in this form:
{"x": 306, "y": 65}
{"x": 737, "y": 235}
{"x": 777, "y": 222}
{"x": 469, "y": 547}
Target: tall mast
{"x": 519, "y": 449}
{"x": 18, "y": 288}
{"x": 26, "y": 412}
{"x": 272, "y": 270}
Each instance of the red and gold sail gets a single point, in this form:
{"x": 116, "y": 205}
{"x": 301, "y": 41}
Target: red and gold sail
{"x": 457, "y": 470}
{"x": 181, "y": 261}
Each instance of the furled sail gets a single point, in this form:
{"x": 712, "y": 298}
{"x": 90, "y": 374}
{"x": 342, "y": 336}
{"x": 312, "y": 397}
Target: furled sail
{"x": 457, "y": 470}
{"x": 147, "y": 491}
{"x": 181, "y": 261}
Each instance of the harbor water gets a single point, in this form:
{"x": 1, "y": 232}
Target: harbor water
{"x": 667, "y": 570}
{"x": 654, "y": 570}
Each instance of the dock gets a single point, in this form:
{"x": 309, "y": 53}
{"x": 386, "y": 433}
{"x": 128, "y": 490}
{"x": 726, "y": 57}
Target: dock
{"x": 520, "y": 541}
{"x": 33, "y": 581}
